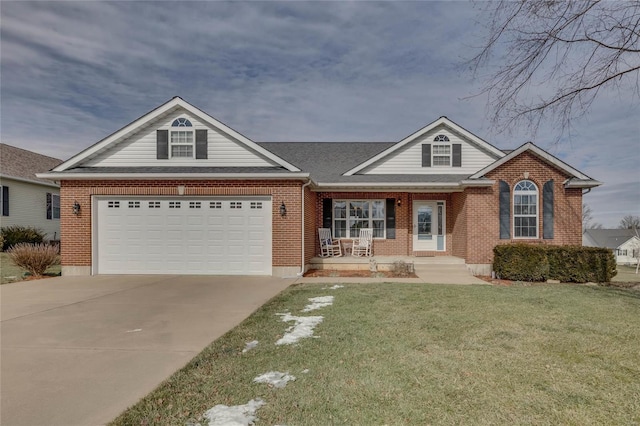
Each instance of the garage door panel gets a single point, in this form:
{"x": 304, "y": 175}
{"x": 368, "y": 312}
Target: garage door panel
{"x": 186, "y": 236}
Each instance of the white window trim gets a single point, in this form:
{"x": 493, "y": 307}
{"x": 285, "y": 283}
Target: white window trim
{"x": 370, "y": 219}
{"x": 434, "y": 155}
{"x": 537, "y": 215}
{"x": 187, "y": 129}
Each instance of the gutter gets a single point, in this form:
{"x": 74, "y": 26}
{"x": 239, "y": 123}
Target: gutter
{"x": 35, "y": 182}
{"x": 170, "y": 176}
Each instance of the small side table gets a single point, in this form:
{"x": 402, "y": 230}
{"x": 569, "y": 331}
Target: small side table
{"x": 347, "y": 245}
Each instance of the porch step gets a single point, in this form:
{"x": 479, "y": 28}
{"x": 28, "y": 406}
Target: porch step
{"x": 383, "y": 263}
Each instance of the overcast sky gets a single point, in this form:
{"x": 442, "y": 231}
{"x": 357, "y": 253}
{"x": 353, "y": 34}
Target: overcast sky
{"x": 75, "y": 72}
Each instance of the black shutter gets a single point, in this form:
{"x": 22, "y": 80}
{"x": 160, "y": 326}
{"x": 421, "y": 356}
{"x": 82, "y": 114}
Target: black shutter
{"x": 5, "y": 201}
{"x": 49, "y": 206}
{"x": 426, "y": 155}
{"x": 162, "y": 144}
{"x": 505, "y": 210}
{"x": 547, "y": 210}
{"x": 457, "y": 155}
{"x": 390, "y": 212}
{"x": 327, "y": 214}
{"x": 201, "y": 144}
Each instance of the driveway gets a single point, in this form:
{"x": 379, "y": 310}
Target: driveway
{"x": 79, "y": 350}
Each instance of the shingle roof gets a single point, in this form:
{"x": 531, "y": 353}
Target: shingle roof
{"x": 327, "y": 161}
{"x": 23, "y": 164}
{"x": 610, "y": 238}
{"x": 178, "y": 170}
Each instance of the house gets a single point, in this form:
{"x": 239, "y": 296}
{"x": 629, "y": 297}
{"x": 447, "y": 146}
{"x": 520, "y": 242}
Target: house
{"x": 179, "y": 192}
{"x": 624, "y": 243}
{"x": 26, "y": 199}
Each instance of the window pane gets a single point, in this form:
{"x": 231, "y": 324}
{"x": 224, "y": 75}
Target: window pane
{"x": 340, "y": 210}
{"x": 340, "y": 228}
{"x": 378, "y": 210}
{"x": 378, "y": 229}
{"x": 182, "y": 151}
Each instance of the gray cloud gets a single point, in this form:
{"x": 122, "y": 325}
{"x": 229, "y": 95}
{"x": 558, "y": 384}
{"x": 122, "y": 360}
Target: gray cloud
{"x": 74, "y": 72}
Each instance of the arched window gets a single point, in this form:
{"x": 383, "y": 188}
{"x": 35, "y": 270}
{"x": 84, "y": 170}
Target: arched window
{"x": 525, "y": 210}
{"x": 441, "y": 151}
{"x": 181, "y": 140}
{"x": 181, "y": 122}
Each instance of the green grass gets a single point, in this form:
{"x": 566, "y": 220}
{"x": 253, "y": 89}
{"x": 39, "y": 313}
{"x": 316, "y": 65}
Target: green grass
{"x": 626, "y": 274}
{"x": 425, "y": 354}
{"x": 10, "y": 273}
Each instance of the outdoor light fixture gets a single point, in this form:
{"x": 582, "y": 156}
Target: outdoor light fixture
{"x": 399, "y": 203}
{"x": 283, "y": 209}
{"x": 76, "y": 208}
{"x": 180, "y": 189}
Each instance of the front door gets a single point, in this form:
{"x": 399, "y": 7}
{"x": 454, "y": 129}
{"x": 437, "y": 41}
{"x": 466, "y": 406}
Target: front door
{"x": 428, "y": 226}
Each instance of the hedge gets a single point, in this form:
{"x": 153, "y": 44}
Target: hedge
{"x": 14, "y": 234}
{"x": 526, "y": 262}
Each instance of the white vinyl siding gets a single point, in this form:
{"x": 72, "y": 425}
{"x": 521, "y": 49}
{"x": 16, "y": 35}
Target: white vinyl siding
{"x": 408, "y": 160}
{"x": 139, "y": 149}
{"x": 28, "y": 207}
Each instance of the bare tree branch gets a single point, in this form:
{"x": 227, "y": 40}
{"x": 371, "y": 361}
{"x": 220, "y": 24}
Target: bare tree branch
{"x": 553, "y": 58}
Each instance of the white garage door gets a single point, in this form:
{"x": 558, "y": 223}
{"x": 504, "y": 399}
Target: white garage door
{"x": 213, "y": 236}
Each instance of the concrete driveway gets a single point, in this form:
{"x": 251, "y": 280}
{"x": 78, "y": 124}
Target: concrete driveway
{"x": 79, "y": 350}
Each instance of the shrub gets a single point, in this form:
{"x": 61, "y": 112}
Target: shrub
{"x": 12, "y": 235}
{"x": 402, "y": 269}
{"x": 524, "y": 262}
{"x": 577, "y": 264}
{"x": 520, "y": 262}
{"x": 35, "y": 258}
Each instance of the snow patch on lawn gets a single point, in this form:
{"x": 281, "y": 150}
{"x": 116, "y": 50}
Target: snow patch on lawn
{"x": 318, "y": 302}
{"x": 250, "y": 345}
{"x": 303, "y": 328}
{"x": 275, "y": 379}
{"x": 335, "y": 287}
{"x": 236, "y": 415}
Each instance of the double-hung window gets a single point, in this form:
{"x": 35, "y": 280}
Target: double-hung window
{"x": 181, "y": 138}
{"x": 53, "y": 206}
{"x": 349, "y": 216}
{"x": 441, "y": 152}
{"x": 525, "y": 210}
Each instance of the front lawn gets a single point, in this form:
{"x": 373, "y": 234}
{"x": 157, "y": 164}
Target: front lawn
{"x": 626, "y": 274}
{"x": 423, "y": 354}
{"x": 10, "y": 273}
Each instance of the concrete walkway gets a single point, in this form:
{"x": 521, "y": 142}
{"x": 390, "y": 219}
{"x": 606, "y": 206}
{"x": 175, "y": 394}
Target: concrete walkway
{"x": 80, "y": 350}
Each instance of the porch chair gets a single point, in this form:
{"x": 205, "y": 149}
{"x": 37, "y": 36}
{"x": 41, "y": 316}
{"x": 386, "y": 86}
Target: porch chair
{"x": 328, "y": 246}
{"x": 362, "y": 245}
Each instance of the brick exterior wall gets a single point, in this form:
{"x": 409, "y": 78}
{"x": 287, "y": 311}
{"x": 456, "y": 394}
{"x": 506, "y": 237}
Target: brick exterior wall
{"x": 472, "y": 216}
{"x": 483, "y": 223}
{"x": 402, "y": 245}
{"x": 75, "y": 232}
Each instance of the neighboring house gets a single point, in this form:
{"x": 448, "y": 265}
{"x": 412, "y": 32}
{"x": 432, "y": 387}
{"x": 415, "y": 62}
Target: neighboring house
{"x": 28, "y": 200}
{"x": 177, "y": 191}
{"x": 624, "y": 243}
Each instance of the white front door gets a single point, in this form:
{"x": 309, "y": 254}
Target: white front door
{"x": 428, "y": 226}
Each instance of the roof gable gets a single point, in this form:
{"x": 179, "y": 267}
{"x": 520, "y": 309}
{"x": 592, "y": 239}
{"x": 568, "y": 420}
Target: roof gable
{"x": 110, "y": 150}
{"x": 373, "y": 164}
{"x": 577, "y": 180}
{"x": 609, "y": 238}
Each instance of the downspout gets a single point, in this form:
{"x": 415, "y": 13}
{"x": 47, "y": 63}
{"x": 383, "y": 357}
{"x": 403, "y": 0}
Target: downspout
{"x": 301, "y": 273}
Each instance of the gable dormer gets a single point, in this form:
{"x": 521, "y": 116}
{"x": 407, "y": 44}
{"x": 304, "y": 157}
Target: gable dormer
{"x": 176, "y": 134}
{"x": 442, "y": 147}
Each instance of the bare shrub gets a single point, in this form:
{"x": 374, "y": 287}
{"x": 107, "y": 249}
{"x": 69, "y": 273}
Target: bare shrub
{"x": 35, "y": 258}
{"x": 402, "y": 269}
